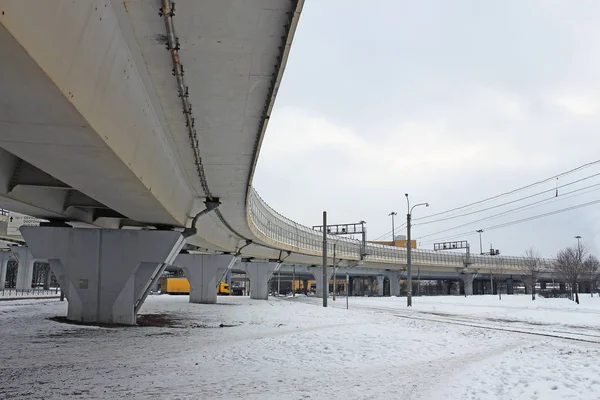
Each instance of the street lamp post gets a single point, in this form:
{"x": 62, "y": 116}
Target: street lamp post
{"x": 408, "y": 250}
{"x": 579, "y": 261}
{"x": 480, "y": 231}
{"x": 393, "y": 214}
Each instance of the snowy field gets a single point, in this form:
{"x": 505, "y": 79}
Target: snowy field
{"x": 445, "y": 348}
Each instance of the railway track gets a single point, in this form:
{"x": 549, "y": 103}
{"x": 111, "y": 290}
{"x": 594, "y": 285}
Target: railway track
{"x": 586, "y": 335}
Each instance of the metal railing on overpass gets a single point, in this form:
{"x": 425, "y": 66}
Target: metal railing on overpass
{"x": 277, "y": 230}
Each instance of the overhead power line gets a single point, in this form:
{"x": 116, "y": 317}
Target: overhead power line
{"x": 517, "y": 209}
{"x": 519, "y": 221}
{"x": 520, "y": 199}
{"x": 512, "y": 191}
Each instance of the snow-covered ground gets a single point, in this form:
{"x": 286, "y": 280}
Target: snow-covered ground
{"x": 293, "y": 349}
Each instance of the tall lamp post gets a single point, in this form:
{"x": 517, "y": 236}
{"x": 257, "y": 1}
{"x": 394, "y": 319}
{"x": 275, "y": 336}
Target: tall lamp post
{"x": 579, "y": 260}
{"x": 480, "y": 231}
{"x": 408, "y": 250}
{"x": 393, "y": 214}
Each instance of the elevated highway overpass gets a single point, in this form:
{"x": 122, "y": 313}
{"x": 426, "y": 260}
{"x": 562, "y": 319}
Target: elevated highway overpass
{"x": 133, "y": 116}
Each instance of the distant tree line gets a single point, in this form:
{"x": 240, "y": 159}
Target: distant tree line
{"x": 574, "y": 265}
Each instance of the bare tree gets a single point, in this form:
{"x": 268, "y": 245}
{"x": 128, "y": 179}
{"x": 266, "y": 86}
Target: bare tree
{"x": 532, "y": 265}
{"x": 498, "y": 271}
{"x": 591, "y": 272}
{"x": 569, "y": 266}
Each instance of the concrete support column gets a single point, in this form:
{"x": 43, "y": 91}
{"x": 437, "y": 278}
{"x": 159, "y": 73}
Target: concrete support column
{"x": 543, "y": 285}
{"x": 259, "y": 274}
{"x": 380, "y": 281}
{"x": 468, "y": 282}
{"x": 5, "y": 257}
{"x": 25, "y": 270}
{"x": 510, "y": 286}
{"x": 47, "y": 276}
{"x": 448, "y": 284}
{"x": 394, "y": 278}
{"x": 318, "y": 274}
{"x": 203, "y": 271}
{"x": 104, "y": 273}
{"x": 358, "y": 285}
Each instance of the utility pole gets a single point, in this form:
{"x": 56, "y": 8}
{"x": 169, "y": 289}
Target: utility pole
{"x": 393, "y": 214}
{"x": 347, "y": 288}
{"x": 480, "y": 231}
{"x": 325, "y": 280}
{"x": 294, "y": 281}
{"x": 408, "y": 251}
{"x": 408, "y": 262}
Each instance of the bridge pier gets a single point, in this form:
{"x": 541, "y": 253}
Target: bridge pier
{"x": 104, "y": 273}
{"x": 510, "y": 289}
{"x": 467, "y": 280}
{"x": 25, "y": 261}
{"x": 380, "y": 282}
{"x": 394, "y": 284}
{"x": 259, "y": 274}
{"x": 318, "y": 275}
{"x": 203, "y": 271}
{"x": 448, "y": 284}
{"x": 5, "y": 257}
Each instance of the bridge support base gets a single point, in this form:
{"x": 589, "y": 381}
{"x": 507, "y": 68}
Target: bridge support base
{"x": 259, "y": 274}
{"x": 104, "y": 273}
{"x": 394, "y": 284}
{"x": 468, "y": 282}
{"x": 510, "y": 288}
{"x": 203, "y": 271}
{"x": 318, "y": 275}
{"x": 5, "y": 257}
{"x": 25, "y": 269}
{"x": 380, "y": 281}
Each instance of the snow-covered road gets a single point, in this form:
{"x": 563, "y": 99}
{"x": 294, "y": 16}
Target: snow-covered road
{"x": 293, "y": 349}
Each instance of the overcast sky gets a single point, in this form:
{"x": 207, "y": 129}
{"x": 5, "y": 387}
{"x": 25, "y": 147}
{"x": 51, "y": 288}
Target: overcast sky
{"x": 449, "y": 101}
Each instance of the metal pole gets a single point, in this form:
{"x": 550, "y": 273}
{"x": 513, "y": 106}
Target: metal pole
{"x": 419, "y": 280}
{"x": 325, "y": 281}
{"x": 408, "y": 264}
{"x": 334, "y": 286}
{"x": 347, "y": 288}
{"x": 393, "y": 214}
{"x": 294, "y": 281}
{"x": 480, "y": 231}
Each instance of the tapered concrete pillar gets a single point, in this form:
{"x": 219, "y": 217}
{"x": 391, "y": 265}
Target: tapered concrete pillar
{"x": 358, "y": 286}
{"x": 448, "y": 287}
{"x": 510, "y": 288}
{"x": 104, "y": 273}
{"x": 47, "y": 276}
{"x": 5, "y": 257}
{"x": 259, "y": 274}
{"x": 468, "y": 283}
{"x": 380, "y": 281}
{"x": 318, "y": 275}
{"x": 25, "y": 269}
{"x": 394, "y": 278}
{"x": 203, "y": 271}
